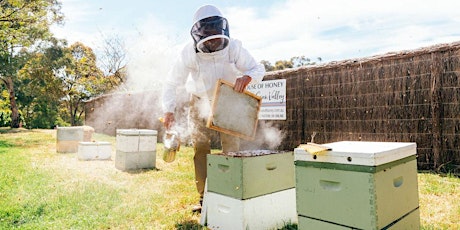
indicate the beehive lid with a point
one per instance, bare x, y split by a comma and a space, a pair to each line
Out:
94, 143
359, 152
250, 153
147, 132
70, 128
128, 132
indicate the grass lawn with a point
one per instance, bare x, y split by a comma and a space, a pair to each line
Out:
41, 189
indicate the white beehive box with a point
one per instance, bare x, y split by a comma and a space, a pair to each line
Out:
136, 149
136, 140
359, 185
271, 211
67, 139
94, 150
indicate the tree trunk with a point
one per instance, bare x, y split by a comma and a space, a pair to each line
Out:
15, 121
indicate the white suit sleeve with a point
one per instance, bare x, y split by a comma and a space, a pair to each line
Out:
247, 64
176, 78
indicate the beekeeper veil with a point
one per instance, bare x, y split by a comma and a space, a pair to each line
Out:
210, 30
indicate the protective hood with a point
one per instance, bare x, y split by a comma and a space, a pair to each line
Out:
210, 30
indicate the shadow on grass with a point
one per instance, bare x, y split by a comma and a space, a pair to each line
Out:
189, 225
4, 130
193, 225
140, 171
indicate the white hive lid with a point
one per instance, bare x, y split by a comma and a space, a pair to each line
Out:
360, 152
94, 143
128, 132
147, 132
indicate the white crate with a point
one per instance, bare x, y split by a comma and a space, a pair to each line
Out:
94, 151
271, 211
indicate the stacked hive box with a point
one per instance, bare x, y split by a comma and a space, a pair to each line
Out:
94, 150
87, 133
358, 185
67, 139
250, 192
136, 149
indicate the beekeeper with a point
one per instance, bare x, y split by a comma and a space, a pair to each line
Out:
212, 55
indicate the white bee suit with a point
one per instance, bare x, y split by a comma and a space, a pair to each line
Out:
212, 55
199, 72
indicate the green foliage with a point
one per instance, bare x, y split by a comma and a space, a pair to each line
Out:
48, 80
60, 122
280, 65
54, 83
287, 64
39, 90
5, 111
81, 80
23, 23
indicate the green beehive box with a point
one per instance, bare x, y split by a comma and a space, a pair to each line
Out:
410, 221
360, 185
244, 177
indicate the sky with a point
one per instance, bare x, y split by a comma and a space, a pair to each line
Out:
332, 30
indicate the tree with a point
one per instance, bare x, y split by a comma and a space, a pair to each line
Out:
81, 80
280, 65
5, 110
297, 61
113, 61
301, 61
56, 80
39, 89
22, 23
268, 66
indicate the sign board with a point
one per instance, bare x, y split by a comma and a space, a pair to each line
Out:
273, 94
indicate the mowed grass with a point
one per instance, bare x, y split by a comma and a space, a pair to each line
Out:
41, 189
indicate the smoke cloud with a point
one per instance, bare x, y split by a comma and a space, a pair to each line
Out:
151, 53
268, 136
